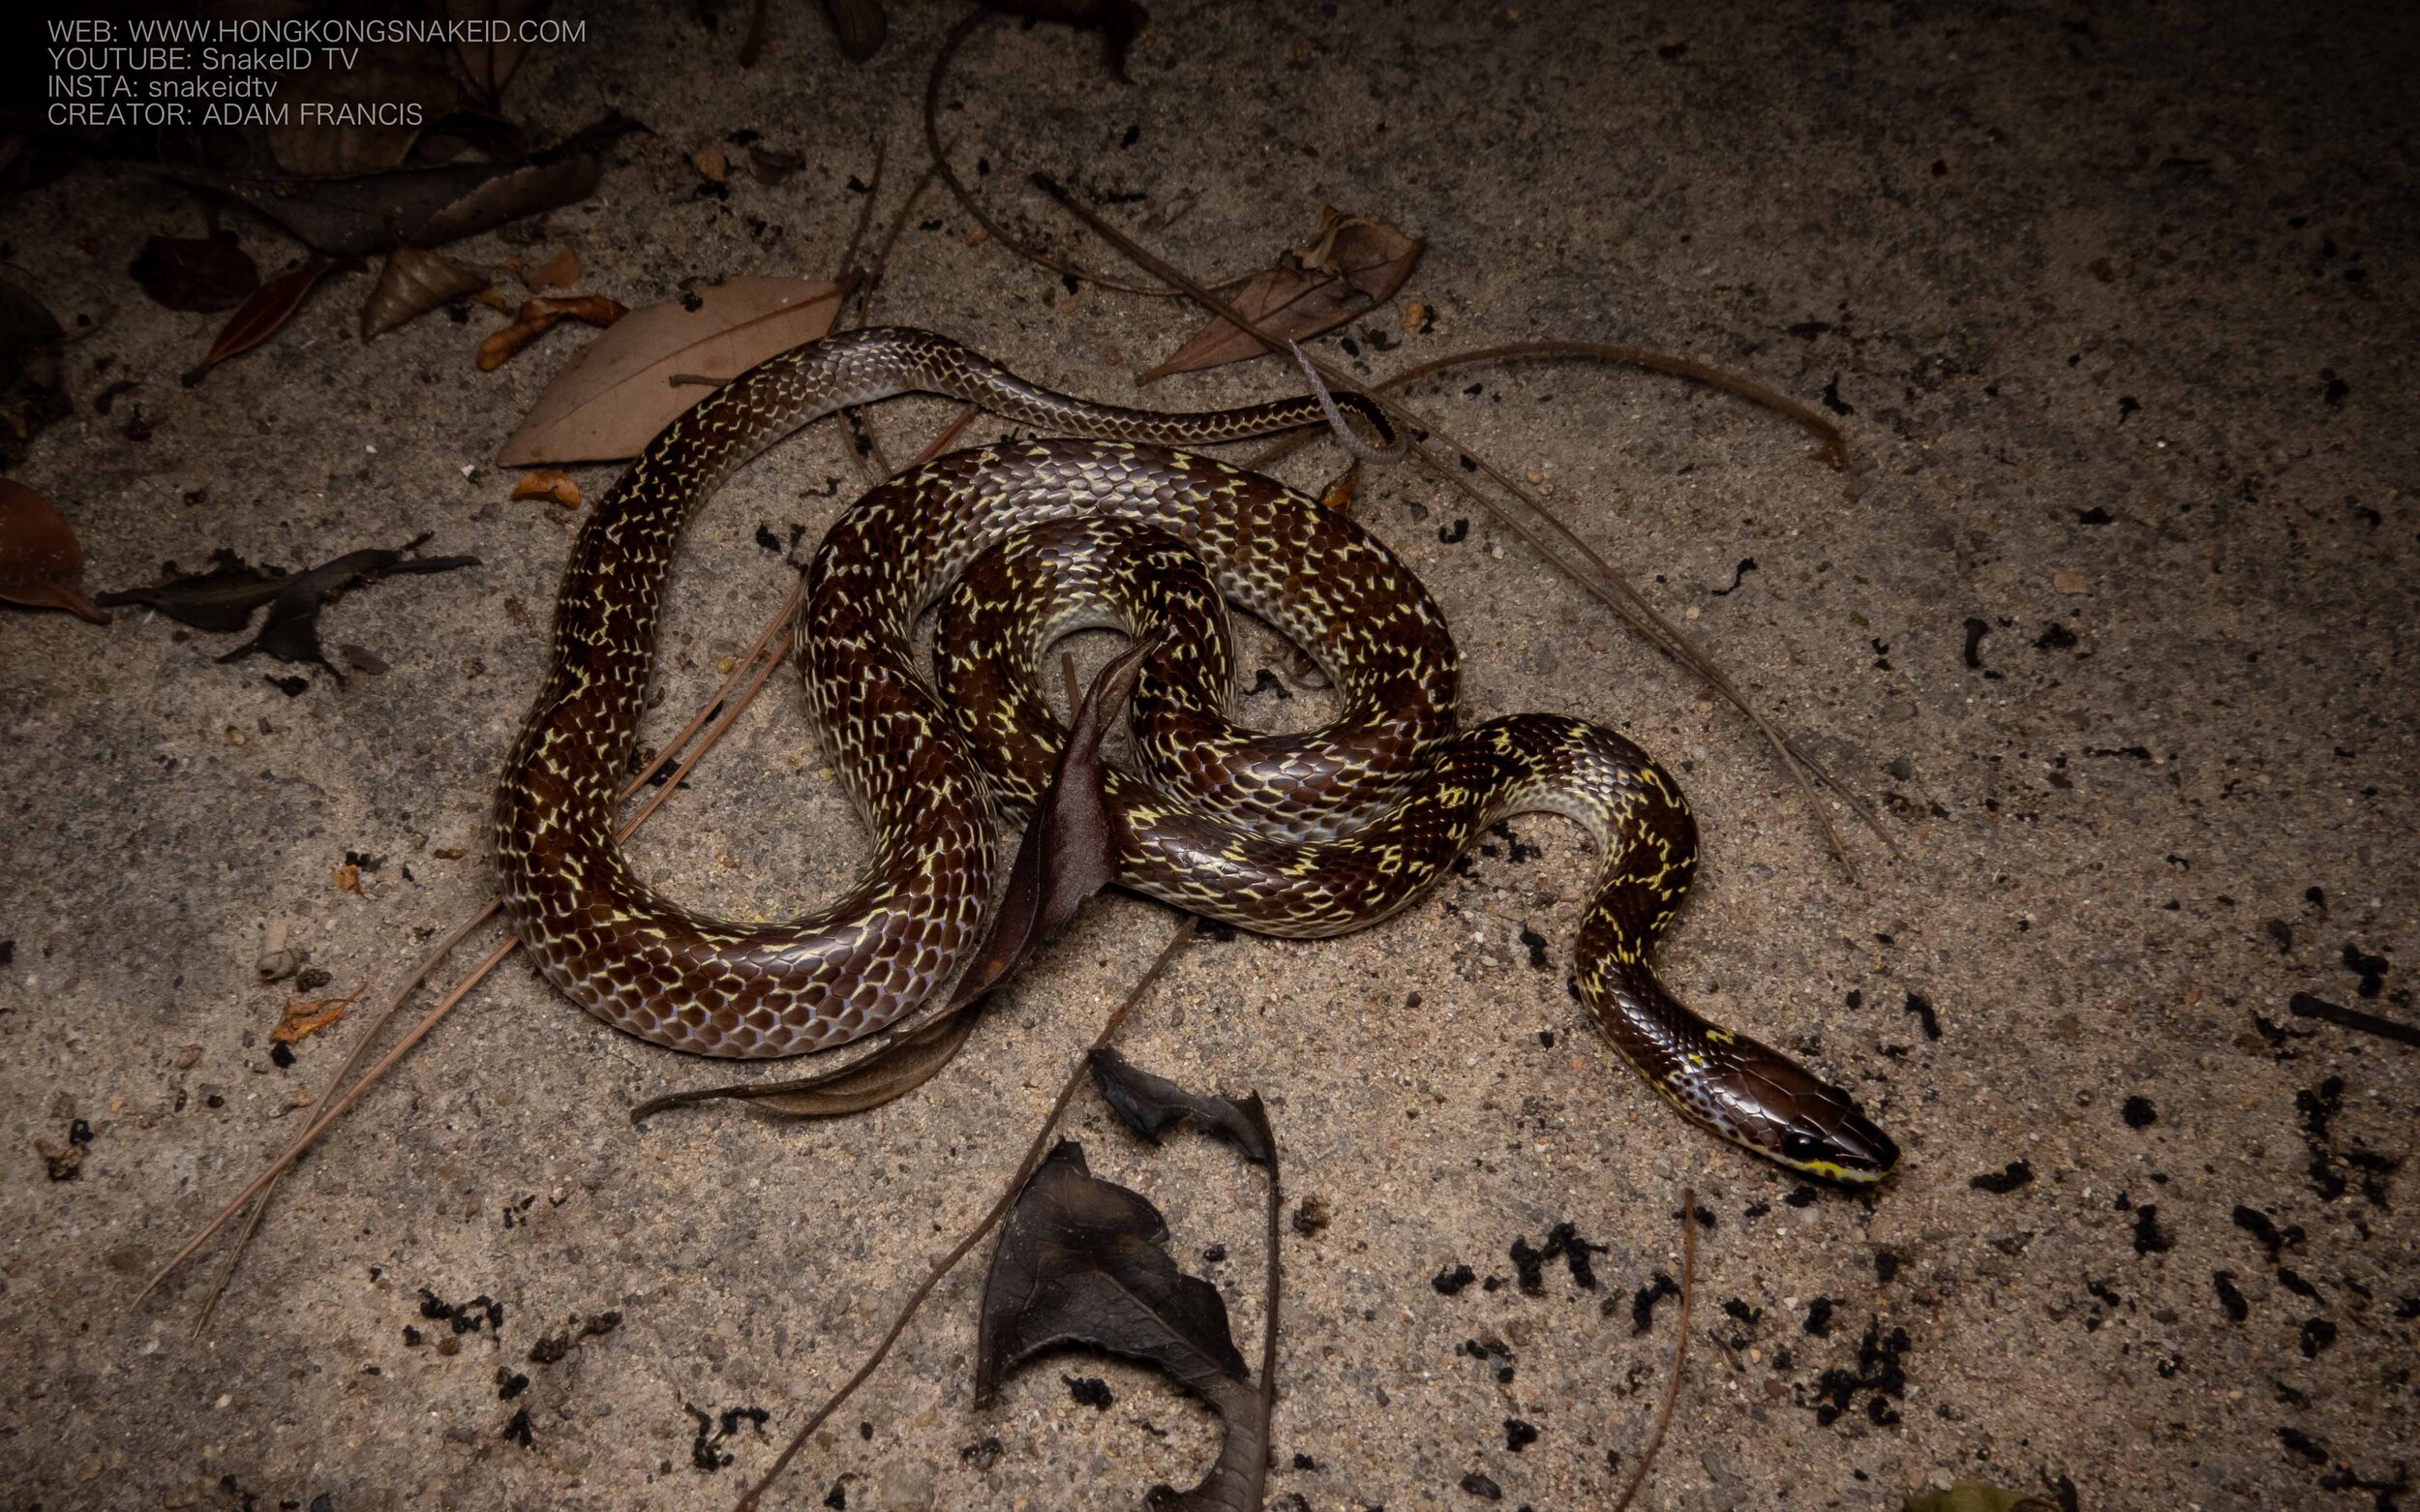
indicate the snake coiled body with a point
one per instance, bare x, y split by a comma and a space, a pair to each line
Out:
1306, 835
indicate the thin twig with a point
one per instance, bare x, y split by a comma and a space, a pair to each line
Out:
327, 1109
1680, 1347
1747, 388
999, 1209
993, 229
1609, 586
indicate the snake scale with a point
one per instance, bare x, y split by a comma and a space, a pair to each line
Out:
1311, 834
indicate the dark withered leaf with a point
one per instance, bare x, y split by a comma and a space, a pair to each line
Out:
1352, 266
266, 312
1067, 855
1083, 1261
31, 396
1070, 849
290, 631
1150, 1103
41, 563
1119, 22
220, 600
418, 206
202, 274
859, 26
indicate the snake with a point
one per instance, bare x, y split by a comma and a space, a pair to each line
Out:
1106, 518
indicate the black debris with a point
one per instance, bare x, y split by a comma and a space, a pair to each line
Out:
2000, 1183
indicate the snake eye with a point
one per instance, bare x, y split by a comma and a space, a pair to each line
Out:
1796, 1147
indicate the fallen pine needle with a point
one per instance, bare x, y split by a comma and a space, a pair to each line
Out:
1680, 1347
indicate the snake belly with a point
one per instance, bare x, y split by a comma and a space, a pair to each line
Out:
1308, 835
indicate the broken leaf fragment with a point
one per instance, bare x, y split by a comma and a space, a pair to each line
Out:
290, 631
41, 563
413, 284
537, 316
557, 486
1148, 1105
609, 400
1352, 266
1084, 1261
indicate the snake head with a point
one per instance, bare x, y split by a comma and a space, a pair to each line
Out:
1787, 1114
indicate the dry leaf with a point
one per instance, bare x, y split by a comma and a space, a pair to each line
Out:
537, 316
303, 1019
860, 25
290, 630
418, 206
347, 878
491, 63
201, 274
614, 397
364, 117
42, 564
713, 164
220, 600
1355, 265
556, 486
413, 284
560, 271
264, 313
772, 168
30, 394
1085, 1261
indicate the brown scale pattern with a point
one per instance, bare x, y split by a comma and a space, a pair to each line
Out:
1304, 835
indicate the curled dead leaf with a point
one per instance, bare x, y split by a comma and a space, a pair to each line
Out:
539, 315
557, 486
613, 398
303, 1019
41, 563
1354, 266
265, 312
347, 878
413, 284
711, 164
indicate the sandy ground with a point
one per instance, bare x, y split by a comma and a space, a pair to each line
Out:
2107, 617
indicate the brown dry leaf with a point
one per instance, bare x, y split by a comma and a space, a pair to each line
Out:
614, 397
413, 284
490, 64
364, 117
265, 312
713, 164
537, 316
560, 271
303, 1019
42, 564
1352, 266
347, 878
556, 486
